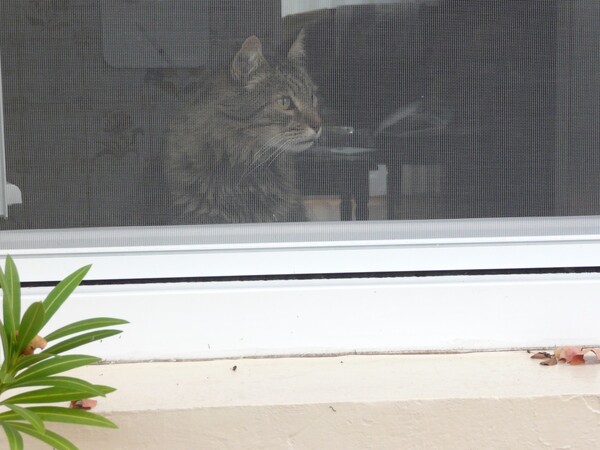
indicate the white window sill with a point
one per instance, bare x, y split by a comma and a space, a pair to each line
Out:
194, 321
478, 400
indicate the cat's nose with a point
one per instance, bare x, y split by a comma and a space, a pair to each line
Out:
319, 132
314, 121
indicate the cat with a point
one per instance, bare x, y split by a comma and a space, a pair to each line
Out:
229, 159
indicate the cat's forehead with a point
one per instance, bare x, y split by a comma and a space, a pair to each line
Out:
295, 79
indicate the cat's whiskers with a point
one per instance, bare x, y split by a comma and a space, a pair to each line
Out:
258, 160
270, 143
273, 157
277, 153
279, 141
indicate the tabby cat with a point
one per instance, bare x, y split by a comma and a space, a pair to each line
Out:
229, 157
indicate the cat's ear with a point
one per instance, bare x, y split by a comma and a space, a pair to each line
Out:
249, 65
297, 52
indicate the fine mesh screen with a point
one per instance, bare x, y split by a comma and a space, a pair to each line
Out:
123, 113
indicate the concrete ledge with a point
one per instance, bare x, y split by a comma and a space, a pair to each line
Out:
464, 401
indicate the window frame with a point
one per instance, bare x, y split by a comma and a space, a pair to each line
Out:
304, 249
194, 321
370, 250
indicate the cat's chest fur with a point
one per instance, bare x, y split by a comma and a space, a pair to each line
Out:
210, 186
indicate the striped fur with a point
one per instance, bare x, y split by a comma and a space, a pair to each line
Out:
228, 155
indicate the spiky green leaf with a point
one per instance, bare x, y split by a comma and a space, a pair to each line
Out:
11, 322
61, 292
27, 415
15, 440
105, 390
46, 395
3, 337
78, 341
4, 378
32, 323
12, 278
68, 415
75, 384
24, 361
84, 325
55, 365
56, 441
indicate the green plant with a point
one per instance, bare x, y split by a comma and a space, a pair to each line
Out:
38, 373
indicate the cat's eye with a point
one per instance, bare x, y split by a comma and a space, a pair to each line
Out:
285, 103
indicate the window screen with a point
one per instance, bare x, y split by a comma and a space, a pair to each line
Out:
135, 113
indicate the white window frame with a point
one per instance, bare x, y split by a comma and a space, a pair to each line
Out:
370, 312
188, 321
303, 249
367, 303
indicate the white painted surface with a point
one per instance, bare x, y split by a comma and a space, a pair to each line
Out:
13, 195
216, 320
295, 6
470, 401
305, 248
343, 379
